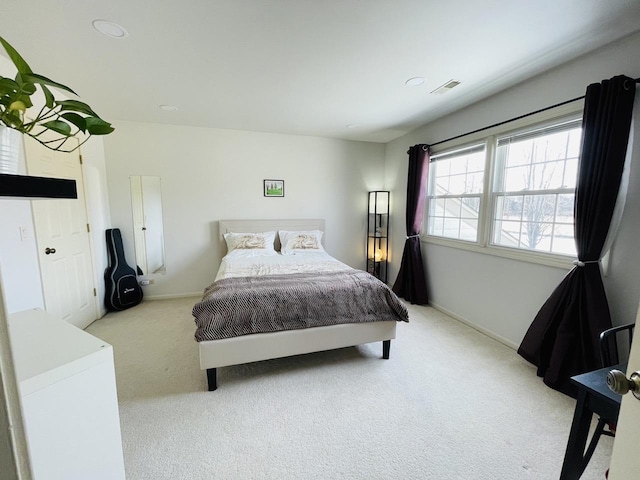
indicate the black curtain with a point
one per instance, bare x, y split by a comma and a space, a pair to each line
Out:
411, 283
563, 339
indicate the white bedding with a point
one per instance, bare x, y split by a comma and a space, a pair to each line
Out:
246, 264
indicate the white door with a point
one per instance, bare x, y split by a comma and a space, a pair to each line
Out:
624, 459
62, 238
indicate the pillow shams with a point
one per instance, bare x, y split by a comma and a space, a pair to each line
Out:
293, 242
257, 242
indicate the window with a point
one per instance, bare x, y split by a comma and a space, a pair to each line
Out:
534, 189
9, 150
511, 190
455, 193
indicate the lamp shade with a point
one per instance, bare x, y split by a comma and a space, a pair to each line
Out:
379, 201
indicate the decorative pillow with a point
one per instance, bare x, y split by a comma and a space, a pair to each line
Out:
300, 242
250, 241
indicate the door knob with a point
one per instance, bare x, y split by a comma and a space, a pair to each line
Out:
619, 383
48, 250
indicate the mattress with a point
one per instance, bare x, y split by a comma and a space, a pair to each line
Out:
269, 293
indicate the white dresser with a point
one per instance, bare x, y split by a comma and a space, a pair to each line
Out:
67, 384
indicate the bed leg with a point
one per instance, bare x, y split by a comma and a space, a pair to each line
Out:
212, 379
386, 346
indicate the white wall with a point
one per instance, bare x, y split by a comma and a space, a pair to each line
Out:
18, 254
212, 174
487, 291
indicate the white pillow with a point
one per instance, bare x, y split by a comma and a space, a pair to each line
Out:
257, 242
300, 241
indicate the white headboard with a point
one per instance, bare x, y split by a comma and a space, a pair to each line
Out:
256, 226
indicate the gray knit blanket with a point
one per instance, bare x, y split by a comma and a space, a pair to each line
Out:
240, 306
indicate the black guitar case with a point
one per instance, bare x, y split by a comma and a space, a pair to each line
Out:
122, 289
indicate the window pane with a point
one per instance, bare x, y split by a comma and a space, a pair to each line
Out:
516, 179
537, 235
563, 241
575, 142
452, 207
457, 184
518, 153
469, 230
451, 228
435, 226
570, 173
442, 185
470, 207
509, 207
546, 176
476, 163
474, 182
507, 234
564, 212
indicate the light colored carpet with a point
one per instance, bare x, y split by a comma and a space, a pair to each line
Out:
451, 403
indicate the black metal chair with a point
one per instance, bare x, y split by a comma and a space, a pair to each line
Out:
612, 341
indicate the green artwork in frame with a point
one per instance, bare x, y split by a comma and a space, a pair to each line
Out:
273, 188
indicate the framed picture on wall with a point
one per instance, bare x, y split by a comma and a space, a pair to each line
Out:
273, 188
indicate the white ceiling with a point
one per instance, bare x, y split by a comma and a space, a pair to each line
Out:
307, 67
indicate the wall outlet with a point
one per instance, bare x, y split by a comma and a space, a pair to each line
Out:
147, 281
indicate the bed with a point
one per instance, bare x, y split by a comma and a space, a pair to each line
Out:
240, 280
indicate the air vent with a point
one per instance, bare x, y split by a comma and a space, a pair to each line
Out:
446, 87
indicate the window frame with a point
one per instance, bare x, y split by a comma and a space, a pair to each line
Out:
560, 114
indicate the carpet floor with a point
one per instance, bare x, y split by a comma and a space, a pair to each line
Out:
450, 403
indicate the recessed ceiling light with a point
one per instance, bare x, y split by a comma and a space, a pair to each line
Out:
110, 29
415, 81
168, 108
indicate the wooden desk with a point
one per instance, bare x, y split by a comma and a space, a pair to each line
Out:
594, 397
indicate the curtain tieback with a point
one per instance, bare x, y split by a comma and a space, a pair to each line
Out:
580, 263
413, 236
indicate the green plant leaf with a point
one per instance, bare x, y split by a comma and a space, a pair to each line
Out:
42, 80
25, 85
6, 84
78, 120
26, 99
97, 126
58, 126
15, 57
12, 120
48, 97
76, 106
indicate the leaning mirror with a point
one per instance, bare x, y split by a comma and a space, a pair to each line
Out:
146, 205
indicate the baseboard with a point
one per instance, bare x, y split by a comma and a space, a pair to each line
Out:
475, 326
172, 295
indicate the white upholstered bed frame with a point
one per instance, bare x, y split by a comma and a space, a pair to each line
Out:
264, 346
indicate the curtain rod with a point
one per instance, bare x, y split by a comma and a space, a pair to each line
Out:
637, 80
